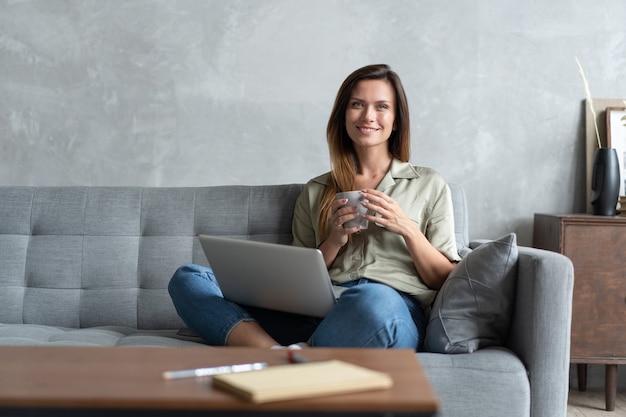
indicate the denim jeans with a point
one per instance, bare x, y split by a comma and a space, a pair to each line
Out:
368, 314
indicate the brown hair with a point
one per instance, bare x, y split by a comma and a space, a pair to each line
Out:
343, 158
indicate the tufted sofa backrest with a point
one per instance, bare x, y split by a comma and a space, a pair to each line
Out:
93, 256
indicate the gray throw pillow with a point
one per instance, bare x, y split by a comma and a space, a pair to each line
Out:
474, 306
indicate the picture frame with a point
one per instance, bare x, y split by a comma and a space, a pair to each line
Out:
591, 142
616, 138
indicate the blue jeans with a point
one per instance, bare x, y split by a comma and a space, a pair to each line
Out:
368, 314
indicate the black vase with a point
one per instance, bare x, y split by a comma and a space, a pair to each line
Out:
605, 182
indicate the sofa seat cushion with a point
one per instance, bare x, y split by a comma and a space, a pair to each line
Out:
489, 382
33, 334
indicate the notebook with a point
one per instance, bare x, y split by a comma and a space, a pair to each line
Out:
313, 379
268, 275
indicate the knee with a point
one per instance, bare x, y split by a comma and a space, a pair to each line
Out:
368, 315
181, 274
185, 277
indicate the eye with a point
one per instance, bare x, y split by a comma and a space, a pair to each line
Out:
356, 104
383, 106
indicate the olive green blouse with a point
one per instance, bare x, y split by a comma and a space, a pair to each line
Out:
375, 252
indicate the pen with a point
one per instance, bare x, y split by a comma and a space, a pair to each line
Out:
295, 357
215, 370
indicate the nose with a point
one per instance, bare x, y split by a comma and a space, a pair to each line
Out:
369, 113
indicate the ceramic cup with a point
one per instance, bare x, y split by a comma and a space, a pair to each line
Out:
354, 199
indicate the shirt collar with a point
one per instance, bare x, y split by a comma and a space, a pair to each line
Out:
398, 170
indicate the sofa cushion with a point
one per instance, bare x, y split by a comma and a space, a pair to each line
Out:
34, 334
489, 383
473, 308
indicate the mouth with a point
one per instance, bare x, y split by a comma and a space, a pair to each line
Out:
367, 130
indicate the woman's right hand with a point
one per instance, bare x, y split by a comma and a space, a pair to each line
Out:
338, 235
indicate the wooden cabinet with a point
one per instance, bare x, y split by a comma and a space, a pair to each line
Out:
597, 247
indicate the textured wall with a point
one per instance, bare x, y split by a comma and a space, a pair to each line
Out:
205, 92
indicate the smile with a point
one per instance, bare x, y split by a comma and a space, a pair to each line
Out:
367, 129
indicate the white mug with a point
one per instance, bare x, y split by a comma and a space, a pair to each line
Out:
354, 199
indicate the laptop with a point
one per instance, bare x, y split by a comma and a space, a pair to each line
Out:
272, 276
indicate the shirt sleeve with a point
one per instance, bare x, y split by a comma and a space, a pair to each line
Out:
304, 225
440, 230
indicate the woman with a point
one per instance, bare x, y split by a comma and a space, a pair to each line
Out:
391, 269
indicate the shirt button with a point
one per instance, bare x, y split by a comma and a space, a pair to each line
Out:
353, 275
357, 257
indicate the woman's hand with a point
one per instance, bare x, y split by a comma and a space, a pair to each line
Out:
432, 266
338, 235
390, 215
342, 214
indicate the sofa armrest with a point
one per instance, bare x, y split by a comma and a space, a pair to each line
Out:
541, 325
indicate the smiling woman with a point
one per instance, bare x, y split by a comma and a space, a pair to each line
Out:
342, 150
370, 116
390, 271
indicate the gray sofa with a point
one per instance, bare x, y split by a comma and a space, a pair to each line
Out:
90, 266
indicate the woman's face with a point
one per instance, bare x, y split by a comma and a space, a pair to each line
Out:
371, 113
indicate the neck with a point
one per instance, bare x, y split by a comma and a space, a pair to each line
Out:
371, 171
374, 165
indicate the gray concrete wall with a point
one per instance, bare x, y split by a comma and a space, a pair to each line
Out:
208, 92
204, 92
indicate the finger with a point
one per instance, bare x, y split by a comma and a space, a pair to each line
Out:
375, 193
378, 199
352, 230
375, 207
341, 220
337, 204
346, 211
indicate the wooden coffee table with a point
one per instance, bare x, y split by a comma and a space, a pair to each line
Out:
99, 381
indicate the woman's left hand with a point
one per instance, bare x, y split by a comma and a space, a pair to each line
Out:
389, 214
432, 266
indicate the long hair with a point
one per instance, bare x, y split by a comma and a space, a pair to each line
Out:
343, 157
